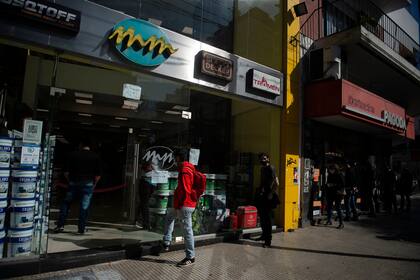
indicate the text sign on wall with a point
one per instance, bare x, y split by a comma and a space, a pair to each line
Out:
43, 11
216, 66
263, 84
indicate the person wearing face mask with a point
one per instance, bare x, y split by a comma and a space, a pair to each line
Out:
266, 197
335, 191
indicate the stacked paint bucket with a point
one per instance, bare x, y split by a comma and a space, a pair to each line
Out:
22, 205
5, 159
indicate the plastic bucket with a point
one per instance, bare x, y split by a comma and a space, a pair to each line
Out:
2, 235
4, 182
19, 242
3, 207
220, 183
24, 183
210, 180
22, 213
17, 152
158, 204
5, 152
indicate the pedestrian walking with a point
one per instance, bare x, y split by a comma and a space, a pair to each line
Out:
368, 185
335, 192
266, 197
349, 197
406, 184
146, 188
389, 187
83, 173
185, 201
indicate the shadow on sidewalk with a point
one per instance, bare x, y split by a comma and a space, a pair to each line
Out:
251, 243
145, 259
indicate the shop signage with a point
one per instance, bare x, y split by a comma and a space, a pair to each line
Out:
160, 156
394, 120
141, 42
216, 66
43, 11
257, 80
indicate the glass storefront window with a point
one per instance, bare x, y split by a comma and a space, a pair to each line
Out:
129, 7
134, 137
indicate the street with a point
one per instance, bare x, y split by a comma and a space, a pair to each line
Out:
385, 247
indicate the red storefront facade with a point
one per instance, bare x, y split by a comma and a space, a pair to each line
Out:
342, 103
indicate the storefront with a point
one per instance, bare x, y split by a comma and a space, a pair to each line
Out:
346, 124
135, 92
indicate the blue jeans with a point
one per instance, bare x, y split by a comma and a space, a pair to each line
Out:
185, 214
84, 190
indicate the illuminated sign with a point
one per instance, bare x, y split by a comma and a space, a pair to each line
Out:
160, 156
43, 11
141, 42
262, 83
215, 66
394, 120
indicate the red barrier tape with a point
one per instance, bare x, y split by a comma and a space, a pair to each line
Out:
96, 190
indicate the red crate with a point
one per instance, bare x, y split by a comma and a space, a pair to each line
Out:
247, 216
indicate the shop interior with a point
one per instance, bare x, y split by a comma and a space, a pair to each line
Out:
229, 132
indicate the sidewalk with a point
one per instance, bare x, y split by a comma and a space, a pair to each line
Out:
386, 247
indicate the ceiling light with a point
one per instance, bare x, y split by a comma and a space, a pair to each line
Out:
145, 129
156, 122
142, 135
83, 95
86, 123
170, 112
82, 101
187, 30
155, 21
121, 118
131, 105
84, 115
42, 110
180, 107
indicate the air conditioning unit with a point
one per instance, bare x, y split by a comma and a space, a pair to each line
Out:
325, 63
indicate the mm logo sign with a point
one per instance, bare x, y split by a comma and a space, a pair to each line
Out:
141, 42
161, 156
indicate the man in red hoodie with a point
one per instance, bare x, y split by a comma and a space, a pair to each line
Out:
185, 200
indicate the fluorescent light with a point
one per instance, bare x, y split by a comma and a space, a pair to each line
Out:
142, 135
84, 115
156, 122
131, 105
114, 126
86, 123
42, 110
83, 95
170, 112
187, 30
155, 21
186, 115
82, 101
180, 107
121, 118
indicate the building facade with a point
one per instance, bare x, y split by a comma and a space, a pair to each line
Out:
137, 80
360, 87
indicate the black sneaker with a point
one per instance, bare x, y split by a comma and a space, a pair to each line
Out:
58, 229
165, 247
186, 262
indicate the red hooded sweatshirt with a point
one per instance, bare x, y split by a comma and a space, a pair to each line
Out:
185, 195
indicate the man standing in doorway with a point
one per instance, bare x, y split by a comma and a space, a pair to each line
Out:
266, 197
185, 200
83, 173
